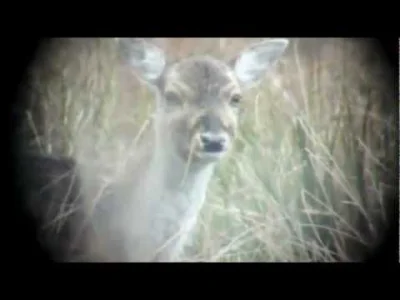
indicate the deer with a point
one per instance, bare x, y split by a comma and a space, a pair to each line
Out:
196, 117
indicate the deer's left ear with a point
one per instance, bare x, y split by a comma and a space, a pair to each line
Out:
251, 64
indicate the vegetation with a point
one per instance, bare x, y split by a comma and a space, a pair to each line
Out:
310, 170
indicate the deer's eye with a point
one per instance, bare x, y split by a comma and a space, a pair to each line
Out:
172, 98
235, 99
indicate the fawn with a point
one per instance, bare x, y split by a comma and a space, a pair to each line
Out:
195, 124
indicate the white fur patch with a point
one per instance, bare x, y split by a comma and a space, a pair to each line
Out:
257, 59
148, 59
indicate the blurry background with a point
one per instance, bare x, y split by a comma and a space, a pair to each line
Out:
311, 167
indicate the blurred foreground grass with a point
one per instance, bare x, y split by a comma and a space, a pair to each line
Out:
310, 169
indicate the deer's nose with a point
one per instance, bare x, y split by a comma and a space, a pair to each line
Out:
213, 142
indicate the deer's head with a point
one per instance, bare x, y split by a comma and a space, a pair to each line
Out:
199, 97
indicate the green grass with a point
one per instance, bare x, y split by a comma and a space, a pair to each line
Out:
310, 167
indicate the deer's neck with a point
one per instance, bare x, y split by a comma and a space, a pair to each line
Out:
175, 183
165, 205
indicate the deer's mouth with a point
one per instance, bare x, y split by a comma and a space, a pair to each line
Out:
212, 152
213, 144
213, 147
209, 147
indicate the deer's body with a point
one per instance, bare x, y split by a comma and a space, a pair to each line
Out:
150, 217
145, 215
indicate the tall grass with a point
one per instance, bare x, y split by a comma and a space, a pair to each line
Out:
307, 178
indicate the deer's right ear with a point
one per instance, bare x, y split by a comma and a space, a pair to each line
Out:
147, 60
